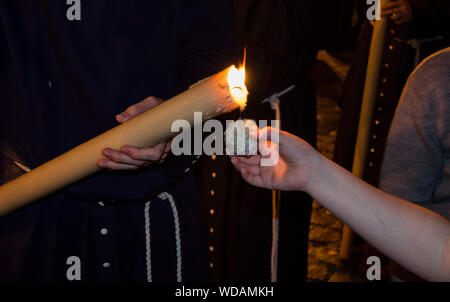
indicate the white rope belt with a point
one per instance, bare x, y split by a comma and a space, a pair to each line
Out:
163, 196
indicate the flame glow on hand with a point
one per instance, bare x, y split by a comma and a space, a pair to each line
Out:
236, 82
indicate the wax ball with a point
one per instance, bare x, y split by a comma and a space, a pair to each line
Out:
238, 140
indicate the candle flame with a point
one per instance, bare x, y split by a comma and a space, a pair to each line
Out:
236, 82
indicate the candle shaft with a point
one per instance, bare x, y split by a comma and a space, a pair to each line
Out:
211, 97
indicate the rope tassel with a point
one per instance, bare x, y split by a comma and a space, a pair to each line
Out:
169, 197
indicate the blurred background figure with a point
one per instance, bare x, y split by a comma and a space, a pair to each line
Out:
420, 126
415, 30
281, 39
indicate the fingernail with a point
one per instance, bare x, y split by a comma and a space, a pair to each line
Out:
123, 117
106, 152
125, 149
102, 164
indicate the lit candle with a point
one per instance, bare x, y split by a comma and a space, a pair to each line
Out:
213, 96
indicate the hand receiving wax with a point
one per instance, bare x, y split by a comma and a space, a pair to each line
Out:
413, 236
129, 157
293, 171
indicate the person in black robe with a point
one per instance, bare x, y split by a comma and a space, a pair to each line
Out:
64, 76
406, 44
410, 38
281, 40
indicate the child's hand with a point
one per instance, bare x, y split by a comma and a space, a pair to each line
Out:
294, 169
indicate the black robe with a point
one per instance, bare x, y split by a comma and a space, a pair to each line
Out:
431, 19
280, 37
61, 83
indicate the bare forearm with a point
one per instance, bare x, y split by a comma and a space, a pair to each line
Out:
413, 236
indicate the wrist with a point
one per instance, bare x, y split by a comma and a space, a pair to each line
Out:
316, 170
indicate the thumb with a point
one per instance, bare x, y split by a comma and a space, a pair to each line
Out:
287, 145
274, 135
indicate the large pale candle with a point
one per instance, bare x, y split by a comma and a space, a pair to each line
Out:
366, 114
213, 96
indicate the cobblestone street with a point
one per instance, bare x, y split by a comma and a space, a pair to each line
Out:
325, 231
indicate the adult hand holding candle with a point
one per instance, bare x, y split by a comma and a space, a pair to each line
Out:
213, 96
130, 157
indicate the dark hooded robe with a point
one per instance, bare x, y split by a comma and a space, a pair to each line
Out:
281, 42
62, 82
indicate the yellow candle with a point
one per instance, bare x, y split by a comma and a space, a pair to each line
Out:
365, 119
213, 96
